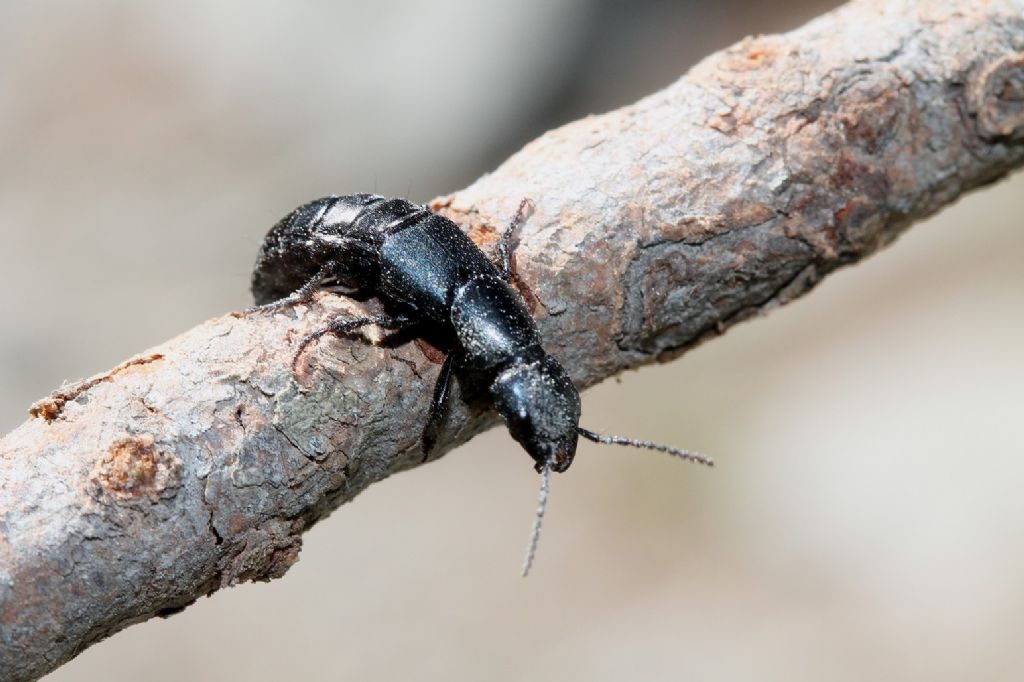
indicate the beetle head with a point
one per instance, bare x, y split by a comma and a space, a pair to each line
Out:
541, 408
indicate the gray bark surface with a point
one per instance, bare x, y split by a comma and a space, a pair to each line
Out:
199, 464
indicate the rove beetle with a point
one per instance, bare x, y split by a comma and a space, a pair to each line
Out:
425, 270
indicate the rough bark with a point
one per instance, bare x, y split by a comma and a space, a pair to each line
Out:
199, 464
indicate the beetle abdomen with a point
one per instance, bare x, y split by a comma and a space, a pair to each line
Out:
322, 231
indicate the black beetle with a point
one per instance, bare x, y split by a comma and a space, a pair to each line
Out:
426, 271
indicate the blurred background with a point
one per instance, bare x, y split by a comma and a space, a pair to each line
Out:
146, 147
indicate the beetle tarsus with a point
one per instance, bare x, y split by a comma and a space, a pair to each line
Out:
303, 294
347, 325
505, 246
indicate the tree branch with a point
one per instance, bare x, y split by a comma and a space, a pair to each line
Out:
200, 463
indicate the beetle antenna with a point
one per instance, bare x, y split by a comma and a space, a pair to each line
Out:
542, 503
649, 445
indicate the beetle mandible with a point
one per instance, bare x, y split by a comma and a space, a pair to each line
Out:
425, 270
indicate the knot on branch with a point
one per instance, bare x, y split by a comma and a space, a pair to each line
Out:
133, 468
998, 98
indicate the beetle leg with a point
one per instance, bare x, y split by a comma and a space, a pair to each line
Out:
301, 295
505, 247
435, 417
347, 325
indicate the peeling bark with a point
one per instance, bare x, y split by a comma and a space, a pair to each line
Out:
199, 464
